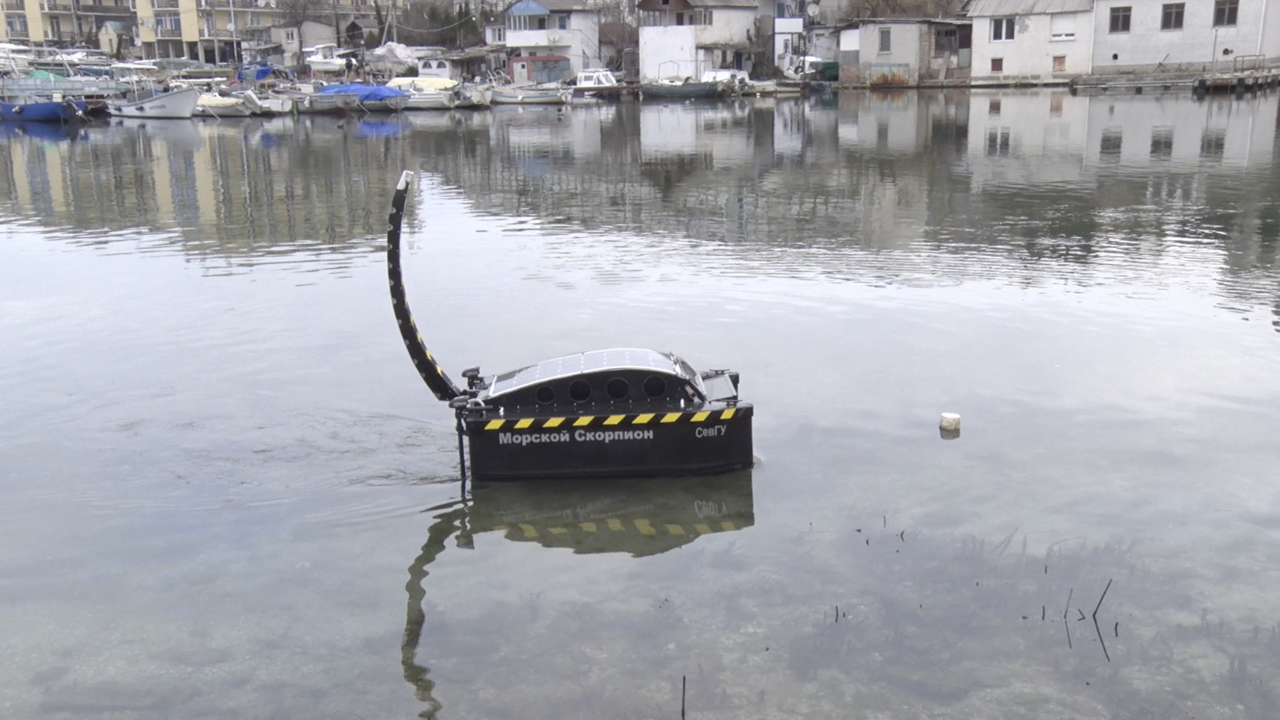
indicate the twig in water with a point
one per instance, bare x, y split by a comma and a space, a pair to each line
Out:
1104, 642
683, 681
1104, 597
1067, 612
1081, 615
1117, 628
1067, 625
1041, 613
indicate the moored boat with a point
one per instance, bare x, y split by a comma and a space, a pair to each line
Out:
370, 98
222, 106
548, 94
59, 111
599, 83
682, 89
427, 93
604, 413
177, 104
306, 102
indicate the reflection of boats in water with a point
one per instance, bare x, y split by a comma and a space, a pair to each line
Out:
179, 134
639, 517
43, 130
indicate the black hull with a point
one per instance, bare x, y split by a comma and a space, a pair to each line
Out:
692, 442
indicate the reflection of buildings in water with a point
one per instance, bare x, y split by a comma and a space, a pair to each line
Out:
1057, 137
241, 189
897, 122
641, 517
713, 130
1218, 131
767, 171
1044, 130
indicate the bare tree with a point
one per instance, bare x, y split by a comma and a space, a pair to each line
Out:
296, 12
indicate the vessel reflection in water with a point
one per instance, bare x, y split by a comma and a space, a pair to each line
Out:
641, 517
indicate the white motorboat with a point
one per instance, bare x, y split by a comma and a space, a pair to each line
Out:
426, 93
180, 103
598, 83
328, 58
222, 106
268, 104
546, 94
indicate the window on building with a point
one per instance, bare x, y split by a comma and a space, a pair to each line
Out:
562, 22
1062, 26
679, 18
1055, 105
993, 108
17, 25
288, 36
997, 65
1059, 63
1120, 19
542, 22
1171, 17
702, 16
1002, 28
1224, 12
886, 36
945, 42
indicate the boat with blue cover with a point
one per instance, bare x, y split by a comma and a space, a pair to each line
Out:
57, 111
621, 412
369, 98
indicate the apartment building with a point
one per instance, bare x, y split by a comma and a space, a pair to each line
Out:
205, 30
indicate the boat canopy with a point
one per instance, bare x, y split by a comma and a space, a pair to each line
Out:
594, 361
367, 93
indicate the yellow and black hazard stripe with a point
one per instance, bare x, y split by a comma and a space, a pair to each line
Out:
578, 421
615, 525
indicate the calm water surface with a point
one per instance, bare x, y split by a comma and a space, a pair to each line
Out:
227, 494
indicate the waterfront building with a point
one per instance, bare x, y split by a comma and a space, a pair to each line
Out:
685, 38
1189, 36
205, 30
553, 28
1053, 41
1031, 41
903, 52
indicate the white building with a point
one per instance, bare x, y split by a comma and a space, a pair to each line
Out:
904, 52
685, 38
1031, 41
1187, 36
542, 28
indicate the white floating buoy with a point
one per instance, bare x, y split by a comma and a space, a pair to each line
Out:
949, 426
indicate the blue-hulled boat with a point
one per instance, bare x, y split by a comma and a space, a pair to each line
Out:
48, 111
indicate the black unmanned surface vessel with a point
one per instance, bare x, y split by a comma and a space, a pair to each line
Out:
605, 413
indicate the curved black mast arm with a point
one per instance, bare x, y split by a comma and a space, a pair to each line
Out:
441, 386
